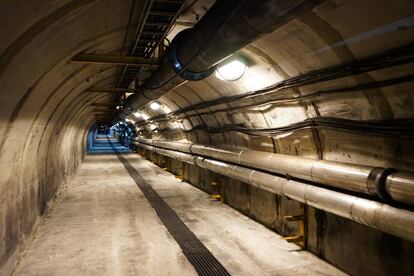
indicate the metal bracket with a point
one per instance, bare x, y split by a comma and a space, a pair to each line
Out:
302, 220
218, 194
295, 239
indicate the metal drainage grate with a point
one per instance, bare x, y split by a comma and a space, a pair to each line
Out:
197, 254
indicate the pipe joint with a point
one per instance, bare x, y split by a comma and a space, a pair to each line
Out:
376, 182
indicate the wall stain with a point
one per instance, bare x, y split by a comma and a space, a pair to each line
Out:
379, 104
321, 226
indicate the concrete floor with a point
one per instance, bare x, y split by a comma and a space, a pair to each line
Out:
103, 225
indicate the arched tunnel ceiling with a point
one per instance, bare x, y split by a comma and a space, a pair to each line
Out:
298, 47
43, 84
45, 113
322, 38
335, 33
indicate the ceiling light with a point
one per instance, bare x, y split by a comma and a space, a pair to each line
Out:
155, 105
153, 126
231, 71
137, 114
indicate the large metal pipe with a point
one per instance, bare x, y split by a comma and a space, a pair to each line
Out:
386, 183
228, 26
383, 217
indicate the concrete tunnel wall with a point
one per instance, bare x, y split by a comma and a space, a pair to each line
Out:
333, 34
308, 43
45, 116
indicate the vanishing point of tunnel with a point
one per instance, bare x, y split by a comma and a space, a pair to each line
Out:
206, 137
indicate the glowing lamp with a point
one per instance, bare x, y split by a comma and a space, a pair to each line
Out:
155, 105
231, 71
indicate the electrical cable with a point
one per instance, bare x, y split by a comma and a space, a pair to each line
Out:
280, 101
402, 127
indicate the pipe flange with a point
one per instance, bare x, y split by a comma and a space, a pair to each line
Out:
376, 183
373, 179
174, 60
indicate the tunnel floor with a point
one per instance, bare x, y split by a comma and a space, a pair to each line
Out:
103, 224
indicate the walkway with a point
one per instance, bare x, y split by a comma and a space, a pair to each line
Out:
104, 225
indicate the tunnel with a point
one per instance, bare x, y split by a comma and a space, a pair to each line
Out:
207, 137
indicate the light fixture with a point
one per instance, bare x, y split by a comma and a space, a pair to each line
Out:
137, 114
155, 105
128, 120
153, 127
231, 71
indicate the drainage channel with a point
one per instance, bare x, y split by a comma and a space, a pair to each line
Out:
197, 254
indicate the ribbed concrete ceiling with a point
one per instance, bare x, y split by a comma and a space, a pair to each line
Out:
335, 33
45, 114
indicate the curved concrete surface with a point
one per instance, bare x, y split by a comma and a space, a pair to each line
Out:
45, 113
104, 225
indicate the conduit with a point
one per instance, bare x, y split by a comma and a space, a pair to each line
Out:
383, 217
228, 26
402, 127
385, 183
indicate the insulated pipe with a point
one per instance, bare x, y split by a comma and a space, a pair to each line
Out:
399, 186
184, 157
228, 26
388, 184
385, 218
